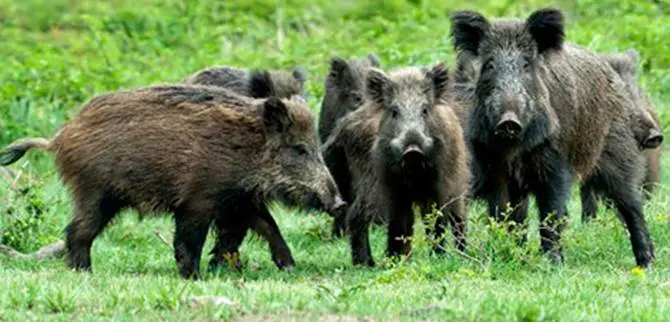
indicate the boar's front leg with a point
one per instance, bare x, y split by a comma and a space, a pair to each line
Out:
263, 223
192, 224
232, 226
358, 221
401, 222
552, 194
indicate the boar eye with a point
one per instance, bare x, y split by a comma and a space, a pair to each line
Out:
526, 65
488, 65
425, 111
299, 149
357, 99
394, 111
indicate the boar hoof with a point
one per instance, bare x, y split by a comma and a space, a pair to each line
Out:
285, 264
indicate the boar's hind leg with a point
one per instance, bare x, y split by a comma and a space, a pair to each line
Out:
91, 215
552, 196
192, 224
617, 179
263, 223
589, 202
230, 232
358, 222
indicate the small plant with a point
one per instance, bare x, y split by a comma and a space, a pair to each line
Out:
22, 227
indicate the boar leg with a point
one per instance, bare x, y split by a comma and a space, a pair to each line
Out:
552, 196
401, 222
457, 216
339, 225
336, 161
519, 202
192, 224
90, 218
617, 178
229, 237
437, 229
358, 221
589, 202
263, 223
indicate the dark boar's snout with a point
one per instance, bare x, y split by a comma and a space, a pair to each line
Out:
509, 126
653, 140
329, 198
412, 148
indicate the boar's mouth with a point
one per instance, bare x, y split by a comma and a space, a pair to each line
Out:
413, 158
305, 200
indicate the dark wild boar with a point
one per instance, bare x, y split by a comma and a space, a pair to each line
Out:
418, 157
183, 149
646, 127
254, 83
536, 125
344, 87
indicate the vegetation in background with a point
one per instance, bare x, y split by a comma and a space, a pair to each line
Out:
57, 54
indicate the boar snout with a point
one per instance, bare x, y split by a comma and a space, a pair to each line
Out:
509, 126
653, 140
411, 149
338, 205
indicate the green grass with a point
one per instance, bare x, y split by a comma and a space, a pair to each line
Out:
57, 54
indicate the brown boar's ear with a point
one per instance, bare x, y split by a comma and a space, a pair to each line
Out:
276, 116
467, 30
261, 84
378, 86
374, 60
547, 28
299, 74
439, 79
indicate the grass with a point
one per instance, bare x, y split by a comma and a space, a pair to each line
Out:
58, 54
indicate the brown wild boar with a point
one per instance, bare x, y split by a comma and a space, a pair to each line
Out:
253, 83
646, 127
536, 126
344, 87
417, 156
184, 149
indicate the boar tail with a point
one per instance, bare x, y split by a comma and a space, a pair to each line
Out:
16, 150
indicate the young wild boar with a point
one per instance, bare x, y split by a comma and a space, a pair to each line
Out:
536, 125
344, 93
646, 127
417, 157
183, 149
254, 83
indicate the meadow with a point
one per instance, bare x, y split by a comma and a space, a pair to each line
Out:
57, 54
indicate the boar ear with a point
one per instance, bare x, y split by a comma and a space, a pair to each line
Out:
275, 115
467, 30
546, 27
261, 84
633, 54
439, 78
299, 74
338, 67
374, 60
377, 85
623, 63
